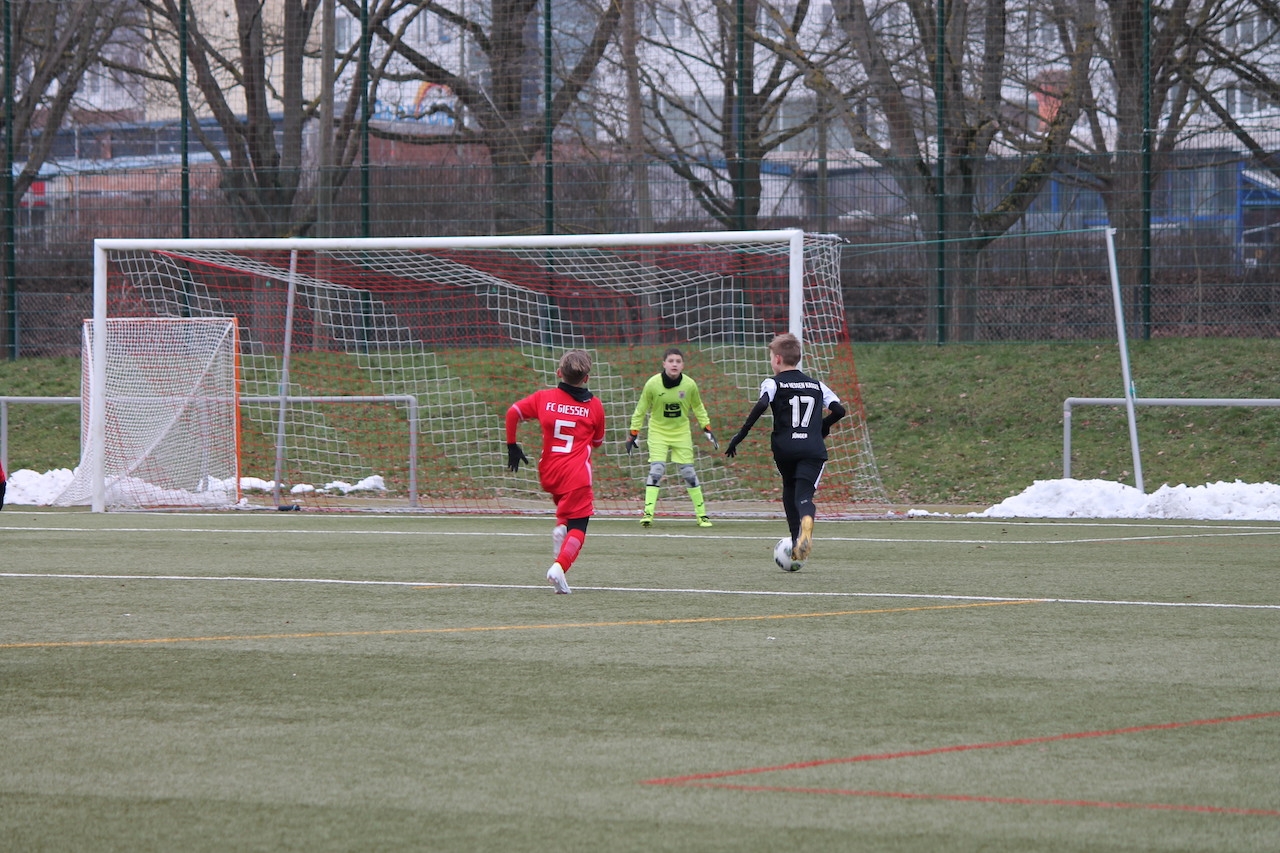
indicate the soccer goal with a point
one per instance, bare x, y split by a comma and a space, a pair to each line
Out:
159, 414
376, 373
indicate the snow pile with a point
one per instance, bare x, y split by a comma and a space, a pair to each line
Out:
28, 488
1043, 499
1105, 499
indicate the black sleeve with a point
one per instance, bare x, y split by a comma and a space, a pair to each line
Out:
761, 406
835, 413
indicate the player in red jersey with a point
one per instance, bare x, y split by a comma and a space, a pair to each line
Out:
572, 421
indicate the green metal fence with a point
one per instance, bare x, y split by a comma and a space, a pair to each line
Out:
1213, 267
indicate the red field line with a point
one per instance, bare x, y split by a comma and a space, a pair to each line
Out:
974, 798
709, 780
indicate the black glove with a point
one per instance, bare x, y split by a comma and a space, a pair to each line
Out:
837, 412
632, 442
711, 438
515, 456
732, 450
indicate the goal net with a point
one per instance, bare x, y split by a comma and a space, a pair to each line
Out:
376, 373
159, 414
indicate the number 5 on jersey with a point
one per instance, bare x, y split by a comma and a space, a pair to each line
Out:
561, 432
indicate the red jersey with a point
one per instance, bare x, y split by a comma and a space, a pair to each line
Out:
572, 421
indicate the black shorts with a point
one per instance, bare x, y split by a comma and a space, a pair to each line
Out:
807, 468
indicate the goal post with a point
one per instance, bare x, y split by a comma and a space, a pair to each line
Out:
159, 414
463, 327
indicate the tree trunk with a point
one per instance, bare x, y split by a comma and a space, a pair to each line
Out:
517, 190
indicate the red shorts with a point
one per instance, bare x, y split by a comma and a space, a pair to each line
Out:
576, 503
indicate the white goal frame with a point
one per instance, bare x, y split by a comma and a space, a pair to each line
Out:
1131, 400
794, 241
794, 237
92, 473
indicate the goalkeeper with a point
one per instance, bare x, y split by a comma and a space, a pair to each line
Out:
669, 398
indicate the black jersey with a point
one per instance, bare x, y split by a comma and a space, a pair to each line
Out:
797, 402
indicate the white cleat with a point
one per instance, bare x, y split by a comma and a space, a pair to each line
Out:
555, 575
557, 538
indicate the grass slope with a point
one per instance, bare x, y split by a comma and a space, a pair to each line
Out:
956, 425
974, 424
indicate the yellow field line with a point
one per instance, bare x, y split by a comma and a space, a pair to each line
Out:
389, 632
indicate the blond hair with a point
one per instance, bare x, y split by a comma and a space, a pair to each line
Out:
786, 347
575, 366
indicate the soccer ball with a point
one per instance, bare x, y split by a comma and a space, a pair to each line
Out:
782, 556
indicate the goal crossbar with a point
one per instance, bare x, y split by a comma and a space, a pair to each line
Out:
544, 241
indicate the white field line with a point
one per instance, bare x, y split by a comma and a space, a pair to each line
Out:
250, 518
651, 590
1197, 532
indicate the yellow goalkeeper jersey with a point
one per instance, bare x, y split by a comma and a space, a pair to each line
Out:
670, 409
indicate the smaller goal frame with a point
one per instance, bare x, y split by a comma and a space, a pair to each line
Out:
1194, 402
94, 422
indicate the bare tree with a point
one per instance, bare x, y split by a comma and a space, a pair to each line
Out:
633, 120
499, 93
1117, 140
245, 70
716, 91
956, 90
54, 46
1237, 78
251, 76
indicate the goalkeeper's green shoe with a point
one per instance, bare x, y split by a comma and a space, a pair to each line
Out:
703, 521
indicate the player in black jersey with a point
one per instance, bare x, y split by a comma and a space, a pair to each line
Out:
799, 430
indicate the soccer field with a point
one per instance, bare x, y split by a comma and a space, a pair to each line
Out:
290, 681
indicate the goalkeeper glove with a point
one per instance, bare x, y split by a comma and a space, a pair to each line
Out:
711, 437
632, 441
515, 456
